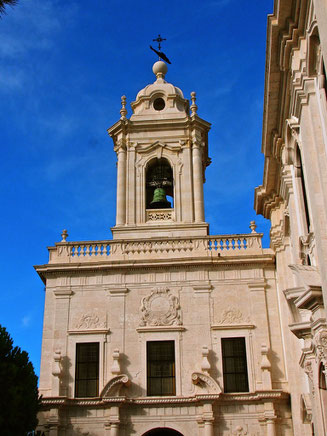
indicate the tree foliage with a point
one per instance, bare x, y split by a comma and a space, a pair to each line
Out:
19, 399
4, 3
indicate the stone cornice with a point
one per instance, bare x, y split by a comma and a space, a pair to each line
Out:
232, 327
258, 396
161, 328
89, 332
262, 261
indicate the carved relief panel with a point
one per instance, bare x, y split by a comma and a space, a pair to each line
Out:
160, 308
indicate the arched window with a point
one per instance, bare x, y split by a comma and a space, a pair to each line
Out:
162, 432
159, 185
316, 66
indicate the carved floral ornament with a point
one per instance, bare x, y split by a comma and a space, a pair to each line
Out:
160, 308
90, 321
232, 315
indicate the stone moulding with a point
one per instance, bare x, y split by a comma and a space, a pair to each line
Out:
89, 332
153, 329
232, 326
274, 395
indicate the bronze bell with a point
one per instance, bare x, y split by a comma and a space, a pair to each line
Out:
159, 200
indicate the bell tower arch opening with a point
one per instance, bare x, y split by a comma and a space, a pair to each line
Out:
159, 184
162, 432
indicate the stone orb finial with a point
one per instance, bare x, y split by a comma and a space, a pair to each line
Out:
160, 69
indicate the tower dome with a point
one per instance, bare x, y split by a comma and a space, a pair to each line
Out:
160, 98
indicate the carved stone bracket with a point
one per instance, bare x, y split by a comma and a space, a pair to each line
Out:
113, 387
306, 408
206, 383
160, 308
307, 246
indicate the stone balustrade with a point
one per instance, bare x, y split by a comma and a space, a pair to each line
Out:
162, 248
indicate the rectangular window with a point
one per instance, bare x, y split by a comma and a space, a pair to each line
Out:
87, 370
161, 368
234, 365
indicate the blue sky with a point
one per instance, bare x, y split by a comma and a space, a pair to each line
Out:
63, 68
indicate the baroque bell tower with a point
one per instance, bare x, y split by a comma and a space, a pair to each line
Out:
162, 153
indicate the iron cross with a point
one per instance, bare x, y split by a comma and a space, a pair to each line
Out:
159, 40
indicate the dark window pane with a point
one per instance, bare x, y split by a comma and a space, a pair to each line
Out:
161, 368
87, 370
234, 365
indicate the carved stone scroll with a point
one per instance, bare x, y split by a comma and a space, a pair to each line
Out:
113, 387
206, 383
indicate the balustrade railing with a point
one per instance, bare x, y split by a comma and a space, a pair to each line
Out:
111, 250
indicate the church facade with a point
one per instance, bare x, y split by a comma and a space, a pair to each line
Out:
294, 195
167, 330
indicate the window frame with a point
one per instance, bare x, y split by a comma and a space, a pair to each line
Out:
236, 332
245, 362
148, 366
161, 333
104, 348
78, 347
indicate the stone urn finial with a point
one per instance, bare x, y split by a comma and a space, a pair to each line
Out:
193, 107
253, 226
123, 110
64, 235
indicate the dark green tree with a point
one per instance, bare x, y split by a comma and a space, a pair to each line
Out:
19, 400
4, 3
